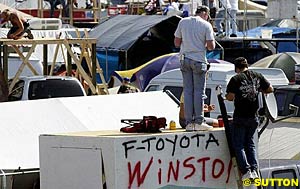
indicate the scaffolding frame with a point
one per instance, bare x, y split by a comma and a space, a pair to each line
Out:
96, 9
88, 50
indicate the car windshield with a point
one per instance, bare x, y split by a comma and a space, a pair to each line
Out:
54, 88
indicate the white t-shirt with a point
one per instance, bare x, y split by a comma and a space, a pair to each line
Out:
194, 32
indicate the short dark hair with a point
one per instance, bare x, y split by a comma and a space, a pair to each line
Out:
240, 63
202, 8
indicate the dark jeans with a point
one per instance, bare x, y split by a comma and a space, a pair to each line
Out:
244, 141
54, 3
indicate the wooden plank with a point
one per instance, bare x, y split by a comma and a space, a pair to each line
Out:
25, 62
81, 70
41, 41
26, 59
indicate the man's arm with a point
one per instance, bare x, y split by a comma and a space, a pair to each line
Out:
210, 45
16, 20
269, 89
177, 42
230, 96
265, 85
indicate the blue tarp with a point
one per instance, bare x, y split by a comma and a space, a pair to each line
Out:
281, 28
108, 62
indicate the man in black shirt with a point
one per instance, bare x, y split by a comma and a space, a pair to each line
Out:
243, 89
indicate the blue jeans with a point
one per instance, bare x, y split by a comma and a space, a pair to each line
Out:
233, 22
221, 17
194, 84
244, 141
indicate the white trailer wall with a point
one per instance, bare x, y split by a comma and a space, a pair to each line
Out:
22, 122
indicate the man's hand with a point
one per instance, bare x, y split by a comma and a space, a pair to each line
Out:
211, 107
11, 36
230, 96
208, 108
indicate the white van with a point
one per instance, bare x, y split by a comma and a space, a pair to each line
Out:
219, 74
41, 87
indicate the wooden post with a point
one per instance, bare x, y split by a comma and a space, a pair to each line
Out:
94, 61
71, 12
3, 77
96, 9
45, 59
69, 65
40, 9
5, 62
1, 50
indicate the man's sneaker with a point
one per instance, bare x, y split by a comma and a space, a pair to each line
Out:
189, 127
247, 176
254, 174
203, 127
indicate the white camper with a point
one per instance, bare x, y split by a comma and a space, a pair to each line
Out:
219, 74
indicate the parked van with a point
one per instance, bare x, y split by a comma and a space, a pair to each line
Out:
219, 74
285, 96
41, 87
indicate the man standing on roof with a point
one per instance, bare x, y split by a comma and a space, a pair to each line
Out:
223, 11
243, 89
194, 35
19, 25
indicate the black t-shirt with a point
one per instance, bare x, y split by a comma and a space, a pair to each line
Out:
246, 86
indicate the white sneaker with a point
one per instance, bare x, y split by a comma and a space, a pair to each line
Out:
189, 127
247, 176
254, 174
203, 127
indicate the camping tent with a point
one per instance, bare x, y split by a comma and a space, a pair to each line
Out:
141, 76
133, 39
285, 61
